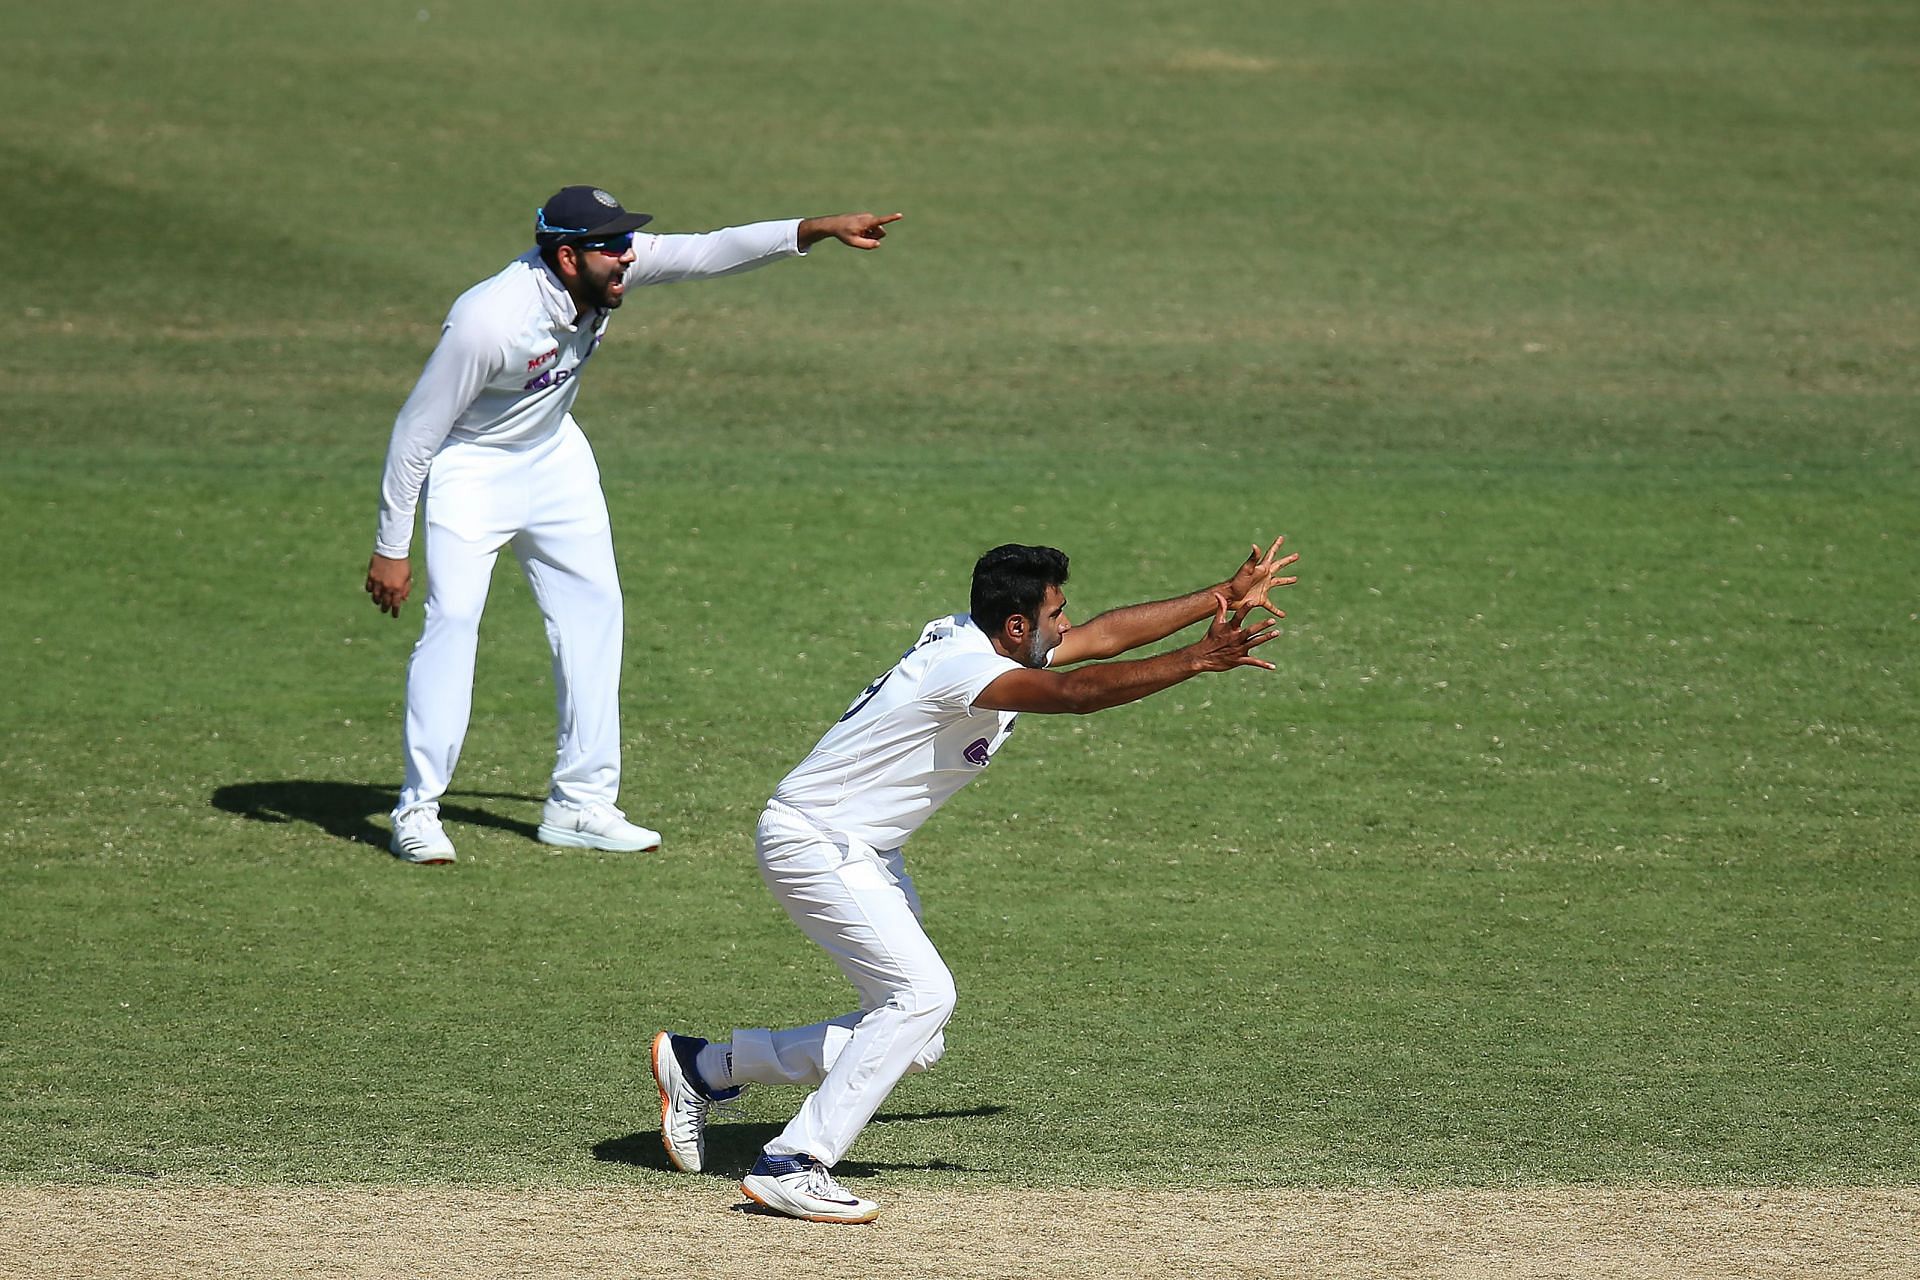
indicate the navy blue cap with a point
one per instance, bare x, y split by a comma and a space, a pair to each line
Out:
583, 213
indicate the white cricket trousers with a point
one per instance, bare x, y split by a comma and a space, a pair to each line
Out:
544, 501
860, 905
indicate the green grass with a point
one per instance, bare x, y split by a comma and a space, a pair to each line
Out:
1574, 350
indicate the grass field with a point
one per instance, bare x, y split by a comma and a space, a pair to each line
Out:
1573, 347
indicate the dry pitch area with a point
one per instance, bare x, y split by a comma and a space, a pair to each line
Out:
705, 1230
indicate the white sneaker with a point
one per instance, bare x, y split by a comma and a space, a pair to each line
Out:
419, 837
684, 1099
594, 826
802, 1187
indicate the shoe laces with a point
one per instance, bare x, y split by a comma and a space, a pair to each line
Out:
820, 1183
726, 1106
729, 1106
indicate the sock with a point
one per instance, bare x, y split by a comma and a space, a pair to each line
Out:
715, 1065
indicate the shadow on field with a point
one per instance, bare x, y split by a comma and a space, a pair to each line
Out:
732, 1148
345, 810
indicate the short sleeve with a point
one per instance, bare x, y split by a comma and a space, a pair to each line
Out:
954, 682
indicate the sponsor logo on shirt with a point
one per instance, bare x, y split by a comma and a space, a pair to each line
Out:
977, 752
551, 378
537, 361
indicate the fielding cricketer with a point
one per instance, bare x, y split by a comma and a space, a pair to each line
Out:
829, 844
489, 421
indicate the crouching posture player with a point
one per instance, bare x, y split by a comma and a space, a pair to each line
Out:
829, 844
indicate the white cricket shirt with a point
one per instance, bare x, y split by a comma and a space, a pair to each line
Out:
508, 362
909, 741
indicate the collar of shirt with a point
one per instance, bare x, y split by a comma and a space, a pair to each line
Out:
554, 296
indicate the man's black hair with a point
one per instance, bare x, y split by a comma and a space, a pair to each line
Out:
1014, 579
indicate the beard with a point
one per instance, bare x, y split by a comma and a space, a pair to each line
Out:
1036, 654
603, 291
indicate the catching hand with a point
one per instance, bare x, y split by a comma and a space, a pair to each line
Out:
1228, 643
1248, 587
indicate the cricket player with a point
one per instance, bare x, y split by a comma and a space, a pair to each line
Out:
489, 436
829, 844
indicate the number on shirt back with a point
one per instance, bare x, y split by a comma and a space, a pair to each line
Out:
866, 694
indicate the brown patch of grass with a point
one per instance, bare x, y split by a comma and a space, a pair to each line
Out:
707, 1229
1212, 61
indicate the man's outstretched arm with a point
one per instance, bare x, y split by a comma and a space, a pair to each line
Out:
1227, 644
858, 230
709, 255
1120, 630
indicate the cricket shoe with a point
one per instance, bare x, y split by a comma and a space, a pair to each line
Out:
418, 837
594, 826
685, 1099
802, 1187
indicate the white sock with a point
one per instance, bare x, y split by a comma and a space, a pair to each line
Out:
715, 1064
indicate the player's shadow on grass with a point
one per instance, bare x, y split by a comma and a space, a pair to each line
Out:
732, 1148
345, 810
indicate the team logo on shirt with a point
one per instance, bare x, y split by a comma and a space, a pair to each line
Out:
552, 377
976, 752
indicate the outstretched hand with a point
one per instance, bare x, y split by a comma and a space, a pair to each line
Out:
1229, 643
860, 230
1249, 585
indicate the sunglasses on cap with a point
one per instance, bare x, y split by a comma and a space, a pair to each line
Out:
613, 246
